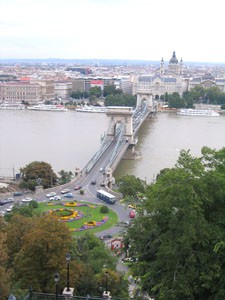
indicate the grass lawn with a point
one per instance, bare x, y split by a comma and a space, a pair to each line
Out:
90, 213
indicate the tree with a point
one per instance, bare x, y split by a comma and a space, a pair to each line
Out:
120, 100
175, 100
130, 186
36, 173
4, 274
95, 91
65, 176
41, 253
111, 90
180, 241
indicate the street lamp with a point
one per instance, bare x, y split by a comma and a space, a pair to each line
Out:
56, 279
68, 258
106, 281
100, 290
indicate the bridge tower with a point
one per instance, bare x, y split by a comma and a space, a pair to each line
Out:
144, 93
120, 115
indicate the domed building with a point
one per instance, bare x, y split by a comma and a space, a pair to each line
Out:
164, 80
174, 66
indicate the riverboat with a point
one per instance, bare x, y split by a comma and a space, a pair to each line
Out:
12, 106
198, 112
47, 107
92, 109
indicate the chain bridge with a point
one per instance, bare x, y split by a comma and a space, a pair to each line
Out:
120, 137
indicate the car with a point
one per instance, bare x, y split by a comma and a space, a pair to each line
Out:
65, 191
27, 200
9, 200
133, 206
105, 236
3, 202
52, 194
56, 198
78, 187
93, 181
15, 194
9, 209
101, 170
68, 195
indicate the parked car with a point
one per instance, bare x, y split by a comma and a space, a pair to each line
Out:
9, 209
106, 236
68, 195
27, 200
78, 187
65, 191
9, 200
56, 198
17, 194
52, 194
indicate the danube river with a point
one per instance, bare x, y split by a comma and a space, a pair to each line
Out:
68, 140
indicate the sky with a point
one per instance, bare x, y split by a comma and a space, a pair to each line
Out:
113, 29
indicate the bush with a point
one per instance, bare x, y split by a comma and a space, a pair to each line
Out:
104, 209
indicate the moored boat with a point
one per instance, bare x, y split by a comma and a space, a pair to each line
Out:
198, 112
92, 109
12, 106
47, 107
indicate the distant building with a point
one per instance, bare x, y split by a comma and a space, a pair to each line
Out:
63, 89
207, 81
16, 92
164, 80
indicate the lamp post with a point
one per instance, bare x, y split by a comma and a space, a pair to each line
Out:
68, 258
106, 281
56, 279
100, 290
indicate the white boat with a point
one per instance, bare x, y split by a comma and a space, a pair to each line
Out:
12, 106
47, 107
198, 112
92, 109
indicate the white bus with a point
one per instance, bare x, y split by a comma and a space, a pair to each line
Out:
105, 196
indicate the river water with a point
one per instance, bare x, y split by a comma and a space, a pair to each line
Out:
68, 140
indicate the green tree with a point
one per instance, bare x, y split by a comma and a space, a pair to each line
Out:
65, 176
4, 273
36, 173
120, 100
180, 240
111, 90
130, 186
95, 91
175, 101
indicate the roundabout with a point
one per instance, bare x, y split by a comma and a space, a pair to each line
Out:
80, 216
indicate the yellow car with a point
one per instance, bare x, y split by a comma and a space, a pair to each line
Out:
133, 206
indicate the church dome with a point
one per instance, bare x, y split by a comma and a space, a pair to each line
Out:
173, 60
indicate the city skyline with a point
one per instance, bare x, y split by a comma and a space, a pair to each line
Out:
112, 29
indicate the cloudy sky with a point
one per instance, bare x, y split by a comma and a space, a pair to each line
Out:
113, 29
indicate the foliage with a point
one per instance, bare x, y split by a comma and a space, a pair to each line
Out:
175, 101
130, 186
4, 274
180, 239
111, 90
120, 100
95, 91
65, 176
37, 251
36, 173
104, 209
198, 94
